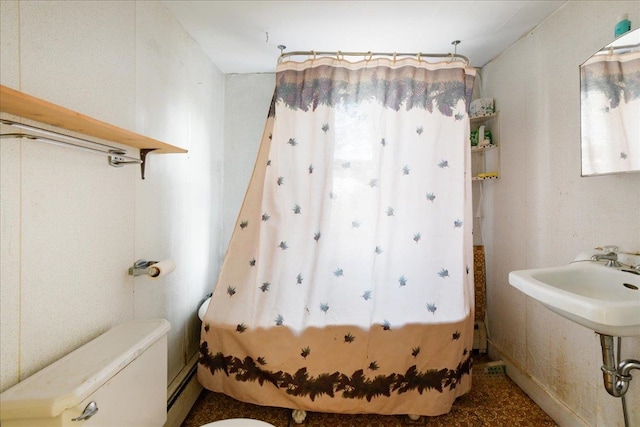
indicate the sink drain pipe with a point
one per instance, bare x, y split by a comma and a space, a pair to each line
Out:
616, 373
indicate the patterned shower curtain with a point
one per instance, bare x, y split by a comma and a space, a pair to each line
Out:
348, 285
609, 108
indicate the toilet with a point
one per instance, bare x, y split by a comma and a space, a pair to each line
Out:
118, 379
203, 308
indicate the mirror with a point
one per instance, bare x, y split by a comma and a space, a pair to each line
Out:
610, 108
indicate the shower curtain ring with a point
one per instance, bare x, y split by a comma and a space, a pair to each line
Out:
338, 55
419, 57
314, 54
394, 58
370, 56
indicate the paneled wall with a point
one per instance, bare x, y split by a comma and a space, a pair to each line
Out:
70, 224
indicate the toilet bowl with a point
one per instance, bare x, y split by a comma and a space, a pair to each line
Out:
203, 308
239, 422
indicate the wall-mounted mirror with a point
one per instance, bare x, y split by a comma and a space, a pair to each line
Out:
610, 108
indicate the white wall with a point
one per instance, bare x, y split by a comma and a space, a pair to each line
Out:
542, 213
70, 224
247, 101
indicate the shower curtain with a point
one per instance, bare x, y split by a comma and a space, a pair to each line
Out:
348, 285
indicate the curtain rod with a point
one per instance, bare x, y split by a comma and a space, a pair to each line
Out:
338, 54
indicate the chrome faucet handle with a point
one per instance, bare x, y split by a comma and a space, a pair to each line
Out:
610, 255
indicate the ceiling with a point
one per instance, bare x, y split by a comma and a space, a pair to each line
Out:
243, 36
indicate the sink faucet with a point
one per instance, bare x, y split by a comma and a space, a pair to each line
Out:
610, 255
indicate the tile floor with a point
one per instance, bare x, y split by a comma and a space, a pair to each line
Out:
494, 401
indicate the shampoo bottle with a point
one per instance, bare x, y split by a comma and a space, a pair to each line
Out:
623, 25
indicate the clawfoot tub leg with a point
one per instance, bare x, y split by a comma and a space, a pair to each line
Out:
413, 417
299, 416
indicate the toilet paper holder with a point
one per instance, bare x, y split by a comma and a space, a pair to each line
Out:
154, 269
141, 267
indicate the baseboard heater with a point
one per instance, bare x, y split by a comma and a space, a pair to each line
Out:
182, 393
181, 386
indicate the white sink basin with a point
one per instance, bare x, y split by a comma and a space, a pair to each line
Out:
600, 298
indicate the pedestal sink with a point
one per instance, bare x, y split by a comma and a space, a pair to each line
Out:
604, 299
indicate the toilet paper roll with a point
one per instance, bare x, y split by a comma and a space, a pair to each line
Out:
161, 268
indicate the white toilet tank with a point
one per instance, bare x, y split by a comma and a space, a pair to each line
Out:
124, 371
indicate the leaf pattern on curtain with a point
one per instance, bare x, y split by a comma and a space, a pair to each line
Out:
618, 81
347, 275
354, 386
394, 88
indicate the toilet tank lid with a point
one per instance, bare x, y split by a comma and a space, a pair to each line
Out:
71, 379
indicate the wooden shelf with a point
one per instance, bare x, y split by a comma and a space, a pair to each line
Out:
476, 149
479, 119
484, 178
486, 160
30, 107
